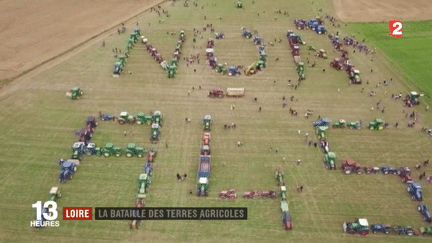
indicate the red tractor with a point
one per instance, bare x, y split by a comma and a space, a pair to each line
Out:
404, 173
206, 138
294, 42
151, 156
149, 47
269, 194
251, 194
350, 166
295, 51
216, 93
230, 194
337, 63
158, 57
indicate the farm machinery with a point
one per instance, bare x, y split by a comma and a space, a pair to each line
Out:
320, 30
412, 99
330, 160
205, 150
216, 93
219, 36
151, 155
91, 123
126, 118
109, 149
415, 190
300, 24
369, 170
321, 131
283, 194
404, 173
300, 70
202, 186
426, 231
251, 194
350, 166
75, 93
91, 149
68, 168
148, 168
376, 124
220, 68
235, 92
229, 194
106, 117
425, 213
78, 150
388, 170
354, 125
234, 71
324, 145
144, 181
355, 77
142, 118
337, 63
286, 221
247, 34
321, 53
133, 150
360, 226
206, 138
269, 194
405, 230
171, 71
258, 40
207, 122
54, 194
155, 133
204, 166
239, 4
157, 117
279, 176
322, 122
250, 70
381, 228
340, 124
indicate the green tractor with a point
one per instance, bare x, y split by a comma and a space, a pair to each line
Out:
283, 192
158, 117
117, 69
321, 131
171, 71
279, 176
182, 35
144, 182
75, 93
207, 123
354, 125
340, 124
155, 133
300, 70
122, 59
260, 65
220, 68
134, 37
174, 62
109, 149
355, 77
426, 231
126, 118
239, 5
202, 186
262, 57
78, 150
360, 226
311, 48
142, 118
376, 124
132, 149
54, 194
330, 161
284, 206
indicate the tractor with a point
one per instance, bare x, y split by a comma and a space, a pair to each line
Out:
68, 168
205, 150
92, 123
125, 118
75, 93
322, 122
321, 53
206, 138
320, 30
321, 131
144, 182
337, 63
233, 71
148, 168
212, 61
350, 166
202, 186
220, 68
324, 145
286, 221
209, 53
91, 149
247, 34
260, 65
283, 194
405, 230
171, 71
376, 124
106, 117
155, 133
311, 48
239, 5
164, 65
426, 231
219, 36
280, 178
415, 190
109, 149
251, 194
258, 40
54, 194
216, 93
424, 211
369, 170
182, 35
388, 170
78, 150
158, 117
412, 98
42, 218
360, 226
404, 173
382, 228
355, 77
340, 124
204, 166
151, 155
142, 118
250, 70
300, 70
132, 149
207, 122
330, 161
229, 194
262, 56
269, 194
284, 206
354, 125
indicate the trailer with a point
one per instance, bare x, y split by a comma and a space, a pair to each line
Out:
204, 166
235, 92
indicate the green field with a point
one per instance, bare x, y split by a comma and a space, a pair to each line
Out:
38, 123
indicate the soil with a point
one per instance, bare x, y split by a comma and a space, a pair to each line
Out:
382, 10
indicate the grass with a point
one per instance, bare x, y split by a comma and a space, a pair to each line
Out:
38, 123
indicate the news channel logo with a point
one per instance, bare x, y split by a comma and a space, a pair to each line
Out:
45, 215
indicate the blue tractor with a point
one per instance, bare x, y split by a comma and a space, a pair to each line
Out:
415, 190
137, 31
286, 221
322, 122
41, 222
382, 228
258, 40
320, 30
247, 34
313, 24
233, 71
68, 168
148, 168
424, 211
388, 170
106, 117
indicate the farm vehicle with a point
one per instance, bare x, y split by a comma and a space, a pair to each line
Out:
229, 194
355, 77
220, 68
286, 221
269, 194
78, 150
207, 122
350, 166
109, 149
324, 145
426, 231
412, 99
151, 155
75, 93
54, 194
125, 118
380, 228
157, 117
216, 93
204, 166
91, 149
369, 170
300, 70
205, 150
330, 161
234, 71
280, 178
239, 5
202, 186
171, 71
144, 182
148, 168
425, 213
251, 194
133, 150
91, 123
247, 34
321, 131
388, 170
106, 117
258, 40
360, 226
376, 124
155, 133
322, 122
142, 118
219, 36
405, 230
404, 173
283, 195
337, 63
354, 125
340, 124
206, 138
68, 168
415, 190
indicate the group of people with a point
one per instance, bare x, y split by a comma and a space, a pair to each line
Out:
181, 177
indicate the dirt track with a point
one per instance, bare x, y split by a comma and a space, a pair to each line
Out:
382, 10
32, 32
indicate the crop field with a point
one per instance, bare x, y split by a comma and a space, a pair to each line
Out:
38, 123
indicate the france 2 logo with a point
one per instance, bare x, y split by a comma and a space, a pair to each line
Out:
395, 28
